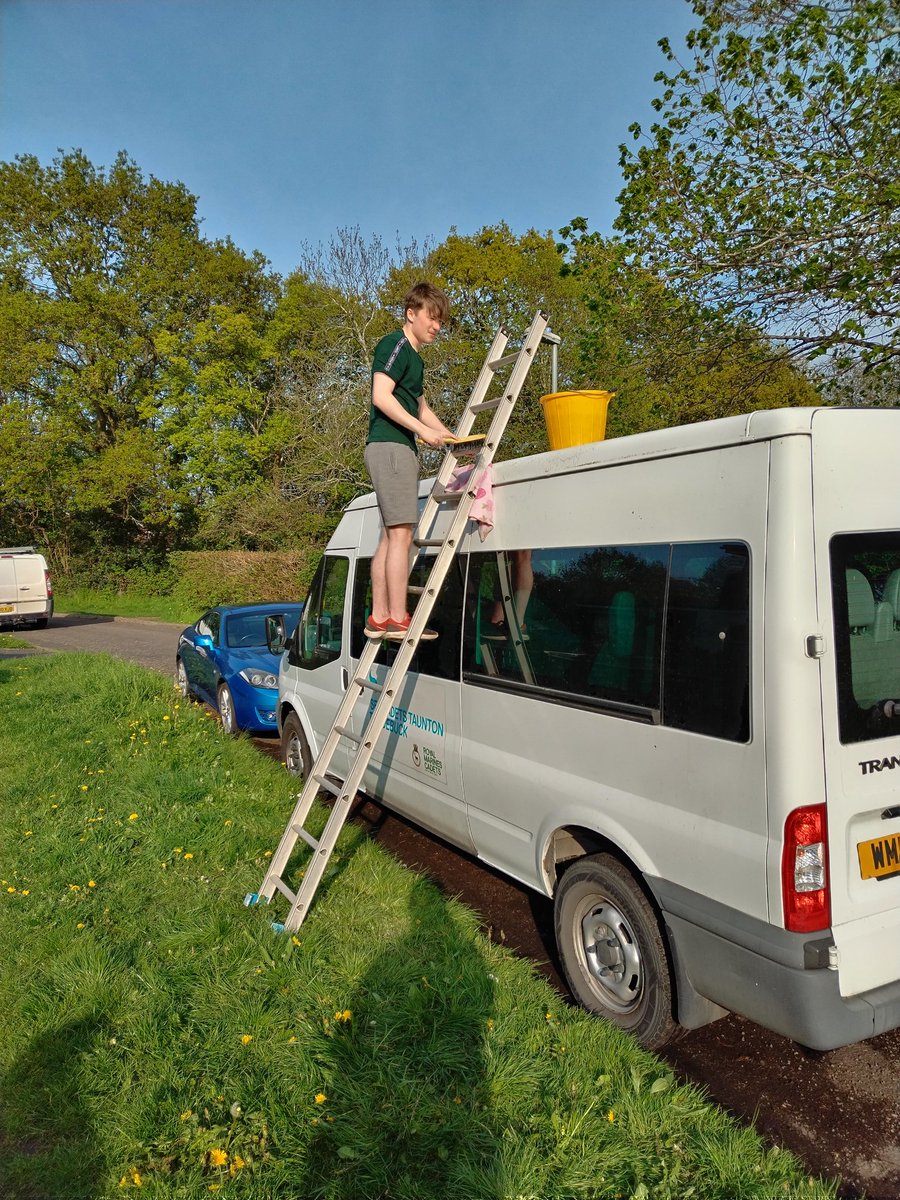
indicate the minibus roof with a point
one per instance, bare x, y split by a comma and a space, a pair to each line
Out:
658, 443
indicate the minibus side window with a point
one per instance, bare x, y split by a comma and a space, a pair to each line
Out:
440, 657
706, 676
318, 639
865, 590
582, 623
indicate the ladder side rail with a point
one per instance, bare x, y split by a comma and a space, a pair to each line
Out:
513, 624
485, 455
310, 788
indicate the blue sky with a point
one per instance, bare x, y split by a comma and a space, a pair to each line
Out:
289, 119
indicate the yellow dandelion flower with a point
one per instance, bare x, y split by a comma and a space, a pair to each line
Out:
136, 1178
215, 1187
74, 887
91, 883
26, 892
490, 1023
123, 1182
167, 717
228, 820
236, 1163
321, 1097
177, 850
347, 1014
177, 706
11, 889
186, 1115
549, 1016
80, 925
296, 940
246, 1038
314, 1121
218, 1158
189, 856
84, 787
610, 1116
133, 817
291, 1041
28, 833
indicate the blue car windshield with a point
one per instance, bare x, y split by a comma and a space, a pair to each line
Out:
249, 629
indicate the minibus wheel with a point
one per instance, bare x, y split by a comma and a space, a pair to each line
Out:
612, 949
295, 752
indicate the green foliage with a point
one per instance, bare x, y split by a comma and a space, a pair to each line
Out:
669, 361
203, 578
769, 184
130, 369
159, 1037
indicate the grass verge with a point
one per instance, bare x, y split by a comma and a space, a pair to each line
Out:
11, 641
159, 1036
126, 604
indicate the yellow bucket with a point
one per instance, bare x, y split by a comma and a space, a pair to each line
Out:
574, 418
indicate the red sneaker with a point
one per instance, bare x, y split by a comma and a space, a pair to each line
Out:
397, 631
376, 629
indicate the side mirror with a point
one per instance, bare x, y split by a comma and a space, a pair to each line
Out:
204, 640
276, 638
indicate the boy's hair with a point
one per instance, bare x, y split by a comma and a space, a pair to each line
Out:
427, 295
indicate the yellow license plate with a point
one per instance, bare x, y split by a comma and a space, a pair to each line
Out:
6, 608
879, 858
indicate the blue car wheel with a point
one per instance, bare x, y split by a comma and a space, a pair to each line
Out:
226, 709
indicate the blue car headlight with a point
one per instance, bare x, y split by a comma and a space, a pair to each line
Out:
259, 679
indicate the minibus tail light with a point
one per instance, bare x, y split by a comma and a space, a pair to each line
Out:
804, 871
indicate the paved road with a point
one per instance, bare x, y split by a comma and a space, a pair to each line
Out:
150, 643
839, 1112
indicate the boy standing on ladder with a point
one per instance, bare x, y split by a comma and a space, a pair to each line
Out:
399, 413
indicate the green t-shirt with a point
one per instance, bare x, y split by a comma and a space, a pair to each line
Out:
396, 358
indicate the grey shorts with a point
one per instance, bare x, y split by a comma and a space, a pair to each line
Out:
394, 471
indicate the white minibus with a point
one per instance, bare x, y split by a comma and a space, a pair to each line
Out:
665, 693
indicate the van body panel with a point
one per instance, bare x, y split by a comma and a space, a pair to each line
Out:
855, 457
416, 762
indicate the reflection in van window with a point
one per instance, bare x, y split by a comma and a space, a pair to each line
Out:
440, 657
653, 632
582, 621
319, 635
865, 588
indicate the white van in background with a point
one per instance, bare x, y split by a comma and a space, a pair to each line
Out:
666, 693
26, 593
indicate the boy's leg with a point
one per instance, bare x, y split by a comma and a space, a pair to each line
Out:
390, 573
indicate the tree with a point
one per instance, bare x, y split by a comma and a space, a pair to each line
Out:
128, 352
668, 360
768, 187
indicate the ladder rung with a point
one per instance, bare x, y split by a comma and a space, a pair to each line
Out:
504, 361
424, 543
367, 683
286, 891
455, 495
415, 590
348, 734
312, 842
327, 785
486, 404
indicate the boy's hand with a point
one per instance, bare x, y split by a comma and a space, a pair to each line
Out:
432, 437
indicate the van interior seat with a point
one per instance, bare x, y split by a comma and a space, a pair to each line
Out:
891, 596
860, 604
612, 666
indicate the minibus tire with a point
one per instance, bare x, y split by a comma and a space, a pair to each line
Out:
598, 894
298, 755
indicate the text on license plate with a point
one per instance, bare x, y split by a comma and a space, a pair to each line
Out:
880, 857
6, 608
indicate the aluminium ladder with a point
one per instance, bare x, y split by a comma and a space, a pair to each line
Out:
320, 778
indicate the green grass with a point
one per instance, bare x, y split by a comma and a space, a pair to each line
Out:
160, 1036
125, 604
10, 641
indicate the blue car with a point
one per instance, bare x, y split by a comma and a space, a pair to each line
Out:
225, 660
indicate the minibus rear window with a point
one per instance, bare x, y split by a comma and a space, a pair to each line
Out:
865, 589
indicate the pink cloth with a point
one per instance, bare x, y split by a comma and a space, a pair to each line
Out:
482, 509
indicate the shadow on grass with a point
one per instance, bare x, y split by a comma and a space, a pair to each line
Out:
408, 1113
47, 1146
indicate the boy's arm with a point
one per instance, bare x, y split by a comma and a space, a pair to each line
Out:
386, 402
428, 417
